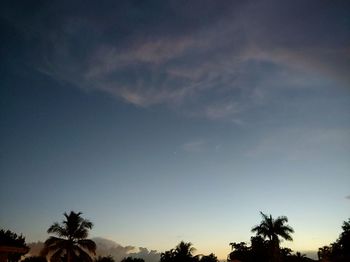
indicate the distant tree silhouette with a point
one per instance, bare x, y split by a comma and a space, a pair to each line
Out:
300, 256
273, 229
132, 259
183, 252
240, 251
35, 259
167, 256
11, 239
210, 258
104, 259
324, 253
344, 240
72, 243
286, 254
339, 251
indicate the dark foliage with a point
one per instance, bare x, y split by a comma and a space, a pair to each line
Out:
105, 259
273, 229
210, 258
35, 259
132, 259
183, 252
265, 245
11, 239
72, 243
339, 251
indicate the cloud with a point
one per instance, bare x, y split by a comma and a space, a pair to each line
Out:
348, 197
195, 146
106, 247
219, 67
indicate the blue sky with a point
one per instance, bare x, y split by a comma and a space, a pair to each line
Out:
169, 121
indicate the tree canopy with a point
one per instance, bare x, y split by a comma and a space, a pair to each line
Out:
72, 243
11, 240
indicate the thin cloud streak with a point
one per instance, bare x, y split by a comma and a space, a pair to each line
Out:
195, 146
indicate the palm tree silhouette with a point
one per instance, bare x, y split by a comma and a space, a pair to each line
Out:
182, 253
72, 242
184, 249
273, 229
300, 256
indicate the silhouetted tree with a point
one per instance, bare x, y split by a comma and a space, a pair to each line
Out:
273, 229
105, 259
344, 240
72, 243
11, 239
182, 253
300, 256
210, 258
35, 259
259, 249
167, 256
338, 251
324, 253
286, 254
132, 259
240, 251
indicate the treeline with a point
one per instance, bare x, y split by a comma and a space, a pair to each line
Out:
69, 243
339, 250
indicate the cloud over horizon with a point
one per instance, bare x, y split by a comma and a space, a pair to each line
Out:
106, 247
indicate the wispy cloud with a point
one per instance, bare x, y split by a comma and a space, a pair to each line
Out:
217, 70
195, 146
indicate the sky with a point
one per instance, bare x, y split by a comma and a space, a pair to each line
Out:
179, 120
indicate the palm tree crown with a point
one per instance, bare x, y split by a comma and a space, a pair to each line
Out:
273, 228
71, 241
182, 253
184, 249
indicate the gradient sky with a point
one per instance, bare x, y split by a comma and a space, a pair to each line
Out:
165, 121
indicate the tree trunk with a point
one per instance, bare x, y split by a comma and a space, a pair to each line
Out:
69, 258
275, 251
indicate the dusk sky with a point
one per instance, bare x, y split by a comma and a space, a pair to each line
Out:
178, 120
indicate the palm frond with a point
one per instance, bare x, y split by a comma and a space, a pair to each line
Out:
82, 254
88, 245
71, 240
273, 228
283, 219
57, 255
57, 229
55, 241
264, 216
86, 224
